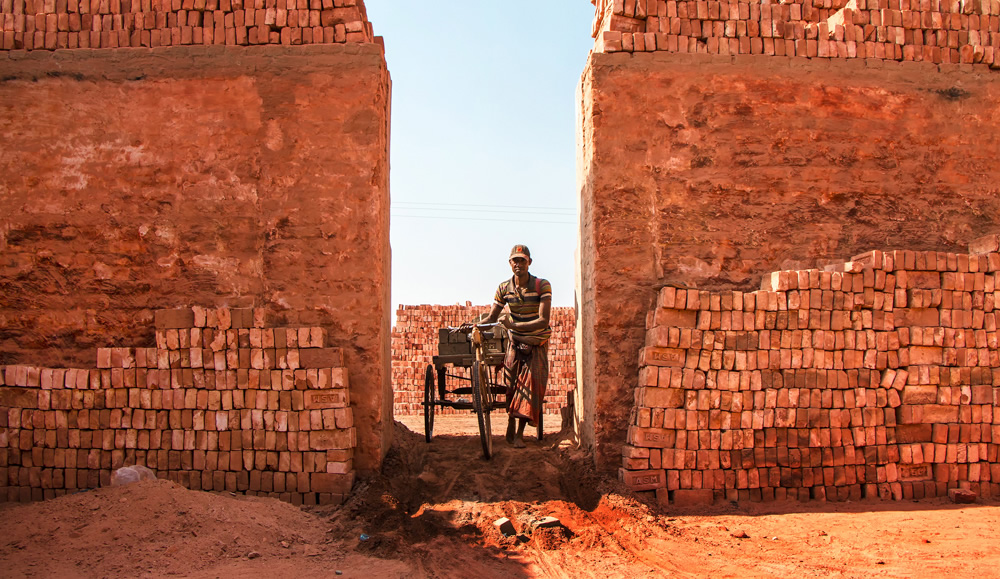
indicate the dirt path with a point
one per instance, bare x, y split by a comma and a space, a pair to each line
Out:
431, 514
466, 424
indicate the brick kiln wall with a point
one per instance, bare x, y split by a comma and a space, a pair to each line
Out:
68, 24
415, 343
937, 31
710, 171
140, 179
878, 377
221, 403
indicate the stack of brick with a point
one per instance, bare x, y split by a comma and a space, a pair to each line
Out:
938, 31
415, 343
222, 403
875, 378
59, 24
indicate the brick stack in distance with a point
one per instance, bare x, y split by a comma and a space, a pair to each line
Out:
61, 24
222, 403
877, 378
935, 31
415, 343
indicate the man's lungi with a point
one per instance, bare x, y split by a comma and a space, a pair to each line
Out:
526, 370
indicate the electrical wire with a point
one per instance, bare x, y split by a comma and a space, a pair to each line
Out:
429, 206
394, 215
460, 211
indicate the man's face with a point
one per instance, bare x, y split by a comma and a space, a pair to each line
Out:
519, 265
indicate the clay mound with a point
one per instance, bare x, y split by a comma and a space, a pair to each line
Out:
431, 509
150, 527
435, 505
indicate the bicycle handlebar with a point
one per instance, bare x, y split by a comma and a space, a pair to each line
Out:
468, 327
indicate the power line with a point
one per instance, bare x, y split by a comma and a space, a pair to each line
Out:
418, 204
484, 219
491, 212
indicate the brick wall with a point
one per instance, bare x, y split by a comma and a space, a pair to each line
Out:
222, 402
69, 24
878, 377
415, 342
142, 179
710, 171
936, 31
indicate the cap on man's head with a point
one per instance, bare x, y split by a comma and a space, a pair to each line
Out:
520, 251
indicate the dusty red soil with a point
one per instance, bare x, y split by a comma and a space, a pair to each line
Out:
431, 514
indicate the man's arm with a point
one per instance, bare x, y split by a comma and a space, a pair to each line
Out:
494, 314
539, 323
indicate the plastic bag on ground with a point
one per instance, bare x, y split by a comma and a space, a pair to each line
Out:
131, 474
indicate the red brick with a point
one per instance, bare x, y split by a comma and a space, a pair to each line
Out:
911, 433
962, 496
652, 437
985, 244
18, 398
675, 318
331, 439
660, 397
909, 317
643, 480
653, 356
321, 358
174, 319
939, 413
920, 394
331, 482
925, 355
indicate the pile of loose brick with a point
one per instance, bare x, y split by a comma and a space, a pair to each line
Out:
61, 24
878, 377
415, 343
937, 31
222, 403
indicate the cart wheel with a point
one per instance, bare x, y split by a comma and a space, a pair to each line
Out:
429, 403
482, 406
541, 415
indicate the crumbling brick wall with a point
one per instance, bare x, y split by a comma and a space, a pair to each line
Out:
148, 178
223, 402
415, 343
936, 31
878, 377
709, 171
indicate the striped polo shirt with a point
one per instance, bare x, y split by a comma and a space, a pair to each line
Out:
524, 304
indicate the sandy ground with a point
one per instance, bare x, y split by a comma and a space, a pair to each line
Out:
431, 514
466, 424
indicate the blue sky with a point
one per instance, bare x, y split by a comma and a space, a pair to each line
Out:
483, 128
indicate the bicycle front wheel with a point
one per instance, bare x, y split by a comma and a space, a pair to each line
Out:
482, 405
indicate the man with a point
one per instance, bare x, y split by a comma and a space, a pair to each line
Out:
526, 365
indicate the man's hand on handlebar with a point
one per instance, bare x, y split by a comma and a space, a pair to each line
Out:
467, 327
